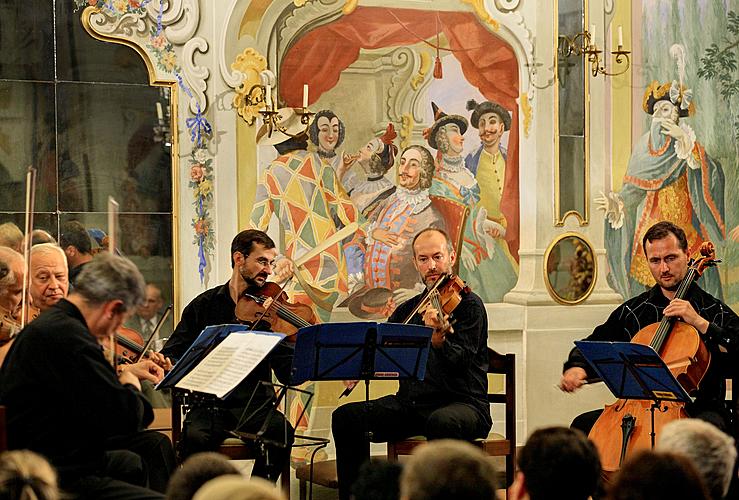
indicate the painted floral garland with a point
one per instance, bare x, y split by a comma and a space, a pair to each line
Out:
200, 162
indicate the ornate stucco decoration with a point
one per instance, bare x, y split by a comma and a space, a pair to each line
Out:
250, 64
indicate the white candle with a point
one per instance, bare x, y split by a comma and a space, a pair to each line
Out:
305, 95
620, 36
268, 97
592, 34
160, 114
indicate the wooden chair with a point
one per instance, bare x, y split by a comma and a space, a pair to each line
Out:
455, 217
233, 448
500, 364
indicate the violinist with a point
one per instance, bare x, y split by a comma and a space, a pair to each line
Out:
666, 248
49, 275
66, 402
206, 425
451, 402
12, 271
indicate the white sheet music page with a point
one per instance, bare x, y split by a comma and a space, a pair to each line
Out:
230, 362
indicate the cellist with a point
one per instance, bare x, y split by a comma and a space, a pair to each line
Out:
666, 248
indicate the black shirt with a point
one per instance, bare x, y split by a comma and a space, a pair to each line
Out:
647, 308
215, 307
457, 371
63, 398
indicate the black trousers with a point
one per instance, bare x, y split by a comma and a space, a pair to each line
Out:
121, 476
156, 452
206, 428
391, 419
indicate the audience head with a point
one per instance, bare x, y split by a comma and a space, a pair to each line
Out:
230, 487
11, 236
113, 287
378, 480
12, 270
152, 304
651, 475
24, 475
76, 243
446, 469
557, 462
39, 236
711, 451
197, 470
49, 275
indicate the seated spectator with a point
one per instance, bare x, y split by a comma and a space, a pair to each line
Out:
557, 462
197, 470
241, 488
445, 469
712, 452
378, 480
25, 475
652, 475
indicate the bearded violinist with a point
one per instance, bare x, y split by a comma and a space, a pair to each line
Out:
208, 423
451, 402
65, 401
666, 248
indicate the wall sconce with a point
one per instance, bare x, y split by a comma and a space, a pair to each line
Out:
260, 96
583, 44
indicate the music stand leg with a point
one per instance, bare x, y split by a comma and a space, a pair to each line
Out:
367, 432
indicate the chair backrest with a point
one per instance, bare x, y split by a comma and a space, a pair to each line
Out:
455, 215
505, 364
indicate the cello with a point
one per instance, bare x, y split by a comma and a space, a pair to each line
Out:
685, 354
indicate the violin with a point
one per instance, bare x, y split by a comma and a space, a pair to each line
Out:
282, 315
129, 344
444, 296
11, 323
625, 426
9, 326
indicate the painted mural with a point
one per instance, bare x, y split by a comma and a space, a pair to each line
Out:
685, 127
416, 126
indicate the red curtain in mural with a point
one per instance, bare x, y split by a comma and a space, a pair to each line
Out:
487, 62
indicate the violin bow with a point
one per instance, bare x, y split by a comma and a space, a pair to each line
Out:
28, 241
112, 240
154, 334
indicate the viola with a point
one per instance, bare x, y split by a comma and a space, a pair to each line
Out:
625, 426
282, 315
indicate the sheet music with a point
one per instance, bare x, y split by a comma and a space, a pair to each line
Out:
230, 362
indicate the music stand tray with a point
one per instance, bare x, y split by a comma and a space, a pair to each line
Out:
360, 351
633, 371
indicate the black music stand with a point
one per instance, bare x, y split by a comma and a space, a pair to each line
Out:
634, 371
360, 351
208, 340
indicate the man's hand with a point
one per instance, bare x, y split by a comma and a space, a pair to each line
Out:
385, 236
684, 311
431, 318
572, 379
143, 370
282, 270
159, 359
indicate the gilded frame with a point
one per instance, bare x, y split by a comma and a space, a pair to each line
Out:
175, 148
584, 218
552, 292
